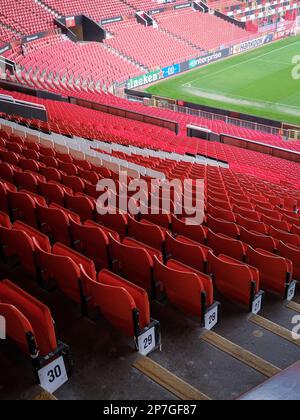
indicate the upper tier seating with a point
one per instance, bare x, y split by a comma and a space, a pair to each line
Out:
26, 16
214, 32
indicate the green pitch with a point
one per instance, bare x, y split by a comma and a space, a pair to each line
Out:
259, 82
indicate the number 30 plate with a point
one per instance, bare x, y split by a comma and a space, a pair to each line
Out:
54, 375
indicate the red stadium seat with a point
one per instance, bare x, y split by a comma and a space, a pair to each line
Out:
236, 281
275, 272
188, 290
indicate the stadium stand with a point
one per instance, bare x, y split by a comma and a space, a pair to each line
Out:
65, 257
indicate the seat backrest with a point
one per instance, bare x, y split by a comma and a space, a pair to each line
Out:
278, 224
92, 242
41, 239
233, 279
249, 224
135, 263
257, 240
292, 253
147, 233
222, 244
116, 222
17, 326
83, 206
139, 296
189, 254
5, 220
54, 223
22, 207
61, 269
6, 172
220, 213
36, 312
287, 238
274, 270
78, 259
18, 243
221, 226
183, 289
52, 192
196, 233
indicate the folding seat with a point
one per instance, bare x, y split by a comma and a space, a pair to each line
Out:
9, 157
286, 212
69, 214
189, 254
3, 197
91, 190
82, 164
14, 147
30, 154
221, 226
278, 224
73, 182
194, 232
219, 213
68, 168
89, 176
91, 242
5, 220
116, 222
162, 220
7, 172
237, 281
219, 204
290, 203
22, 207
131, 314
54, 223
51, 174
47, 151
295, 230
53, 193
249, 214
26, 180
30, 165
146, 233
135, 264
253, 225
40, 238
29, 323
258, 240
291, 253
263, 204
243, 204
81, 205
64, 157
275, 272
285, 237
222, 244
63, 267
188, 290
274, 214
38, 199
17, 244
49, 161
291, 220
108, 232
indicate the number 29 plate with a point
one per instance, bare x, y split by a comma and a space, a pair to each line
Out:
146, 342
